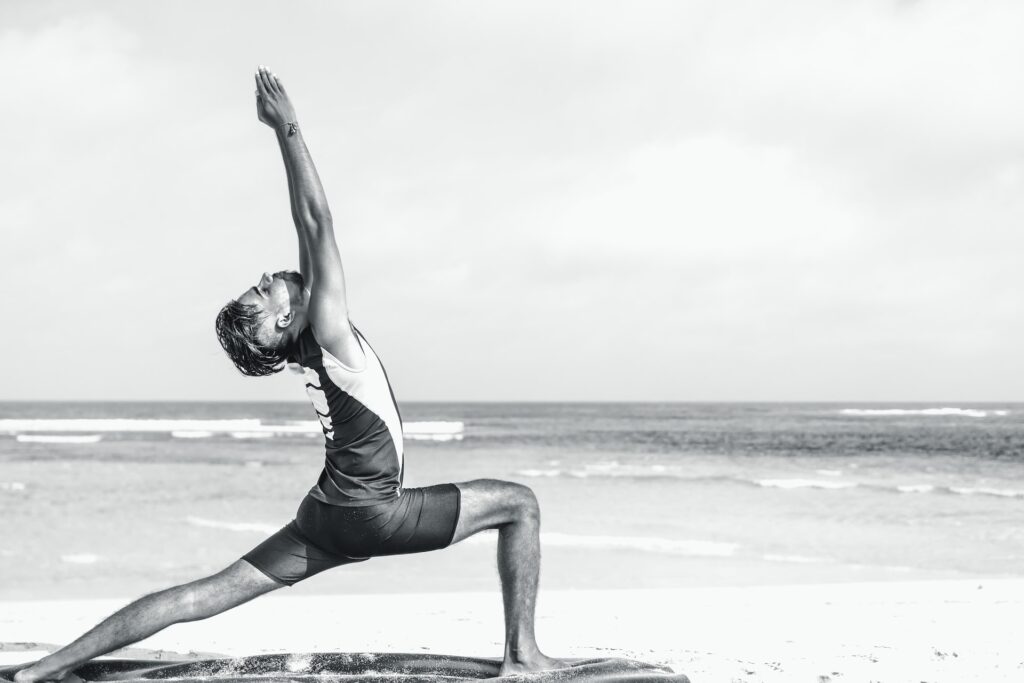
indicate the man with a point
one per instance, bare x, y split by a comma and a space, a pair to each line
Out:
358, 509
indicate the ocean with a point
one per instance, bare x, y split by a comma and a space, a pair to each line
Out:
117, 499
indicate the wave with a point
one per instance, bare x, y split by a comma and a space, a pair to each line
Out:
1001, 493
959, 490
59, 438
199, 428
650, 544
433, 437
898, 488
539, 473
612, 470
252, 435
916, 488
797, 559
931, 412
646, 544
234, 526
587, 474
12, 486
125, 425
615, 470
433, 431
804, 484
80, 558
662, 473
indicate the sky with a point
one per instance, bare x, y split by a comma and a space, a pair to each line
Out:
714, 200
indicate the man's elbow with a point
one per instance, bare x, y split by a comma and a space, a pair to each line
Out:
321, 214
316, 220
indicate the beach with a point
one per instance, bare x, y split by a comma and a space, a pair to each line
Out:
893, 631
731, 542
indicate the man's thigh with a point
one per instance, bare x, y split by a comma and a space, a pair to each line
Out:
490, 503
289, 556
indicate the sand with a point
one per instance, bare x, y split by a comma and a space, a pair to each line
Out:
937, 631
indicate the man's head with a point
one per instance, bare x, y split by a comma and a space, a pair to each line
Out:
258, 329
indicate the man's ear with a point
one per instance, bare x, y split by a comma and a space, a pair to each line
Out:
283, 321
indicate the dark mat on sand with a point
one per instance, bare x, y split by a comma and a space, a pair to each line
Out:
378, 668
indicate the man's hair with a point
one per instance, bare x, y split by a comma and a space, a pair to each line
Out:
238, 327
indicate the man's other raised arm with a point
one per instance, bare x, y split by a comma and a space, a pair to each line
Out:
319, 258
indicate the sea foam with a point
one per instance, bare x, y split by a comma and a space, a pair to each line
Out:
539, 473
247, 428
433, 431
804, 483
666, 546
797, 559
59, 438
932, 412
234, 526
983, 491
915, 488
124, 425
611, 470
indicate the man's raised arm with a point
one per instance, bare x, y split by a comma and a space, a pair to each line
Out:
319, 259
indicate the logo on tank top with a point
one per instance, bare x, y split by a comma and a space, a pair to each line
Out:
319, 399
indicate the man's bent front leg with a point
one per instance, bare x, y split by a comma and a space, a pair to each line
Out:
512, 509
200, 599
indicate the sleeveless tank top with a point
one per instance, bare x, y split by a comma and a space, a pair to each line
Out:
361, 424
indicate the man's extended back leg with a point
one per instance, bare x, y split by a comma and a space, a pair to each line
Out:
512, 509
200, 599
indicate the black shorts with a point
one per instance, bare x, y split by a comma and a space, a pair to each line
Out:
323, 536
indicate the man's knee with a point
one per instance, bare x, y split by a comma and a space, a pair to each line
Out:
493, 504
519, 500
529, 508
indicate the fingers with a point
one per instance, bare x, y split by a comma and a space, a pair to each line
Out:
268, 84
271, 81
261, 88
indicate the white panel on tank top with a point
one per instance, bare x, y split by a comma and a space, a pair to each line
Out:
319, 399
369, 387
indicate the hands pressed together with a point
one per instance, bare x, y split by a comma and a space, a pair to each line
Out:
272, 104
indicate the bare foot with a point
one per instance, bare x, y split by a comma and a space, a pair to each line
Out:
537, 662
31, 674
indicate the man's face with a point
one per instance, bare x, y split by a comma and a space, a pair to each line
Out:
274, 295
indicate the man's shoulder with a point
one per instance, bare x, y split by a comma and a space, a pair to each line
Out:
344, 347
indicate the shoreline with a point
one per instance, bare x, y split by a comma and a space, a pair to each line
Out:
945, 630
